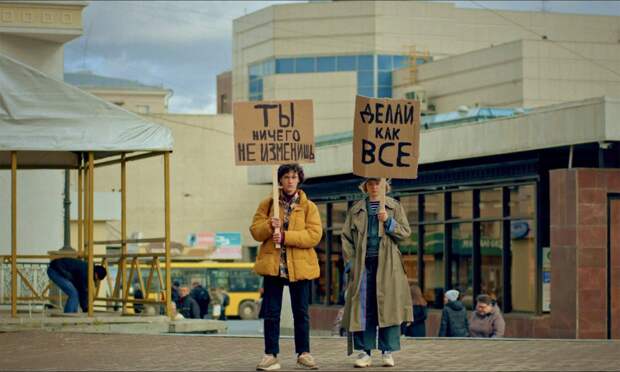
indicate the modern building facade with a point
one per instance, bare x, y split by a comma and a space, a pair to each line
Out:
224, 93
512, 112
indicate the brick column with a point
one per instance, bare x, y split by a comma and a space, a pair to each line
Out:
579, 250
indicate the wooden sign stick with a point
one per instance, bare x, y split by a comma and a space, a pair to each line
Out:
381, 204
276, 197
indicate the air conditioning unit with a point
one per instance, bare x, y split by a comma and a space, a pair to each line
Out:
419, 95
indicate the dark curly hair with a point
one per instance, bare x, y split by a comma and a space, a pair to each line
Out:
294, 167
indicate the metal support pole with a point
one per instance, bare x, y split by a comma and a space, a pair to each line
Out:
67, 217
86, 207
91, 233
80, 208
122, 262
14, 234
167, 231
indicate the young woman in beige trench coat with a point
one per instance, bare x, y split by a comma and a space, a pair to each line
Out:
378, 292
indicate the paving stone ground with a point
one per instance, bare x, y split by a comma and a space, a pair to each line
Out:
40, 350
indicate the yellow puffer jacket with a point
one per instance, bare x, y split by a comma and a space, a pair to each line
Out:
303, 234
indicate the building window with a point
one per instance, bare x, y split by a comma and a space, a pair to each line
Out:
143, 109
326, 64
480, 240
346, 63
285, 66
374, 72
305, 65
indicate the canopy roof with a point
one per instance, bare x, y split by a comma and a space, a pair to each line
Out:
50, 122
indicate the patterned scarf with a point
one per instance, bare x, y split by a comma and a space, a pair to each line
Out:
287, 204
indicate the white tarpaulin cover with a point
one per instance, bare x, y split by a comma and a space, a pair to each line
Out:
41, 114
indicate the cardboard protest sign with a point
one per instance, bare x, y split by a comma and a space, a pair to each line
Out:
386, 138
273, 132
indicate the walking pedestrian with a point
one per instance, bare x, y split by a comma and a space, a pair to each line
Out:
486, 320
297, 230
453, 317
377, 270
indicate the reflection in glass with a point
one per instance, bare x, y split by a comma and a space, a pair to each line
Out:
522, 201
491, 202
434, 265
410, 205
339, 214
462, 269
323, 213
462, 204
433, 207
491, 259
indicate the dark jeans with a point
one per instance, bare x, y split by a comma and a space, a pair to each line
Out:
73, 297
389, 337
272, 307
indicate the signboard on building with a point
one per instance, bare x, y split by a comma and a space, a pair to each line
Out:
273, 132
386, 138
227, 246
214, 246
546, 277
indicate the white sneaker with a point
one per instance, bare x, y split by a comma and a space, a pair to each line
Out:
363, 360
268, 363
388, 360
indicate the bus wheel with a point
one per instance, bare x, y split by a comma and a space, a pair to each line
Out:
247, 310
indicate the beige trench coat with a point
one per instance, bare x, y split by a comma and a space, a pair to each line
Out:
393, 296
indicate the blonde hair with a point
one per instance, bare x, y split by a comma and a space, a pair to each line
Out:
364, 189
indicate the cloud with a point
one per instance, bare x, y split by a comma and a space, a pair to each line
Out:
181, 45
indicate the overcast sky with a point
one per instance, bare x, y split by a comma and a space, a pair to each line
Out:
183, 45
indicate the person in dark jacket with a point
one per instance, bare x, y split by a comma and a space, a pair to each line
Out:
486, 320
189, 308
71, 276
420, 312
454, 316
201, 295
174, 294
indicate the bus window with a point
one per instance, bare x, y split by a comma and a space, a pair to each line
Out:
218, 278
243, 281
186, 277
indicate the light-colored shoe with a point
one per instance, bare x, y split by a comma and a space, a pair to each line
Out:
306, 361
387, 359
268, 363
363, 360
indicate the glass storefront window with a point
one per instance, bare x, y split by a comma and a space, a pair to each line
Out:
462, 202
319, 283
523, 266
410, 205
461, 262
339, 214
491, 259
491, 202
522, 201
434, 265
323, 213
433, 207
